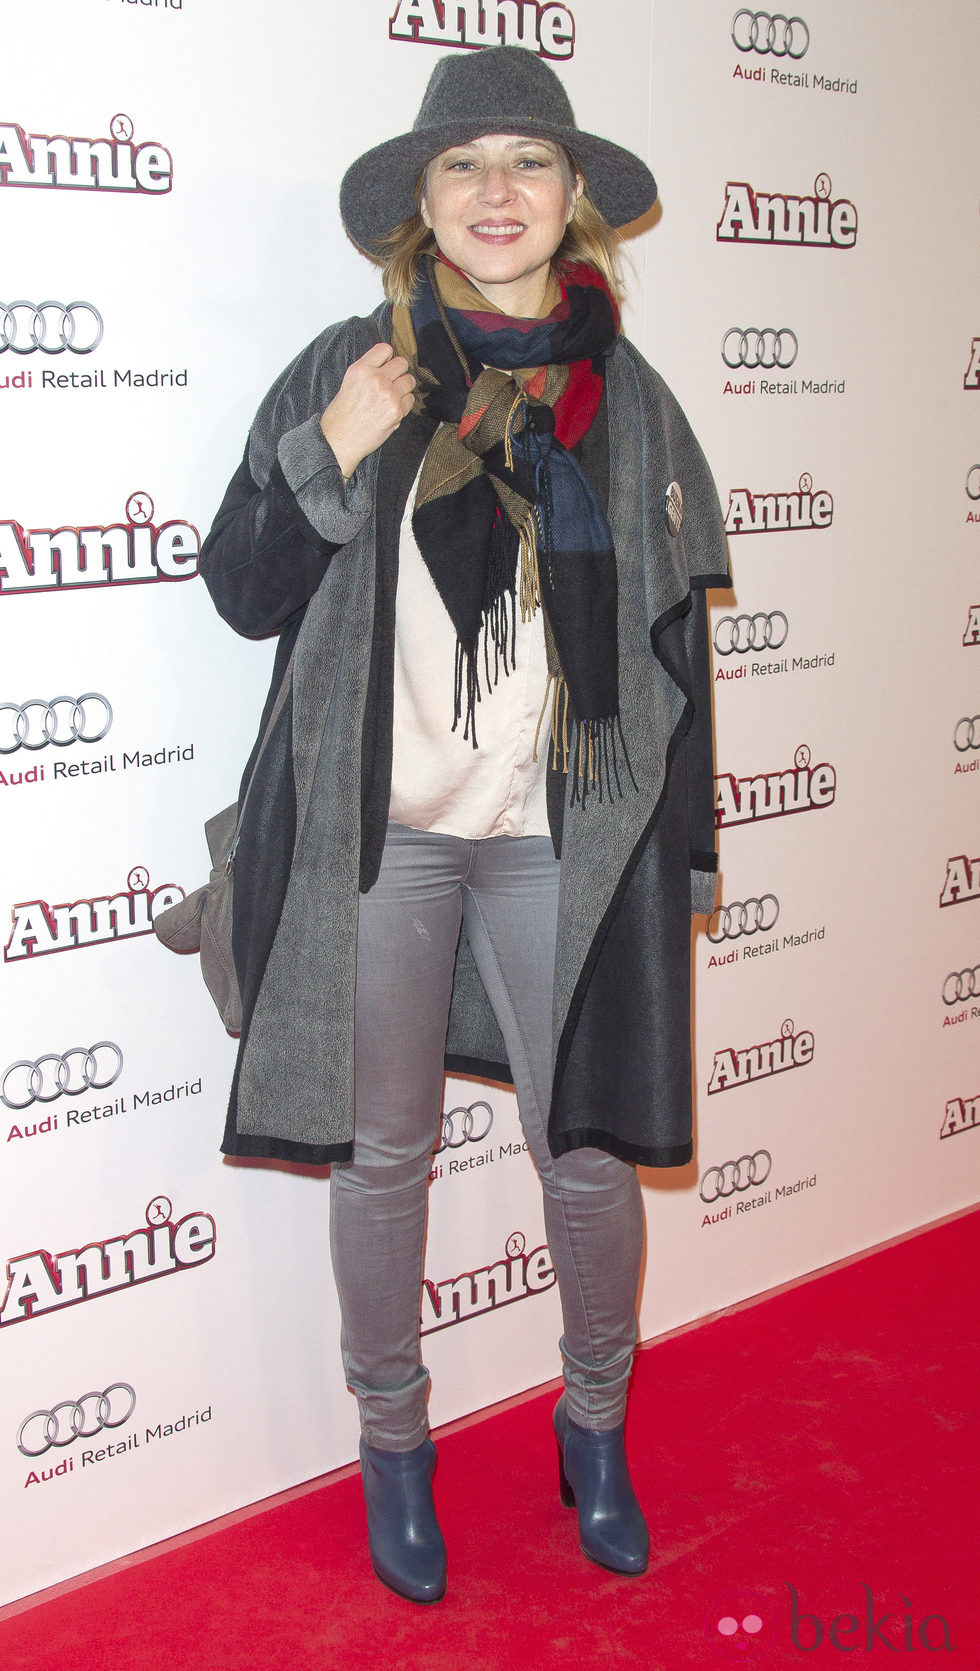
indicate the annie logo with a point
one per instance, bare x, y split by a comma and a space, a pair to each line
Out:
747, 800
40, 1282
778, 513
962, 1114
51, 559
544, 28
115, 164
517, 1277
40, 928
761, 1061
962, 880
751, 217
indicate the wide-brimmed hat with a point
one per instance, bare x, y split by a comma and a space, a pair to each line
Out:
500, 89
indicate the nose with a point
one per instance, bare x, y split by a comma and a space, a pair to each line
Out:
498, 187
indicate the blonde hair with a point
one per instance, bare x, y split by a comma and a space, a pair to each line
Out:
588, 237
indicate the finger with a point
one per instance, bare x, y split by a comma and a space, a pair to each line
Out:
396, 367
377, 355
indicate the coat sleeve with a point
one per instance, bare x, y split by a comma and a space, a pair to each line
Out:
287, 509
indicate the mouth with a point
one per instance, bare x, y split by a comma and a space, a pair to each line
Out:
494, 232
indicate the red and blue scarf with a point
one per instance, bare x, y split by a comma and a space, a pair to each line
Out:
502, 505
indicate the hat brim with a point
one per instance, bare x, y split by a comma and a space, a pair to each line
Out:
378, 190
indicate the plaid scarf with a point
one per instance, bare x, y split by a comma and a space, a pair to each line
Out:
500, 495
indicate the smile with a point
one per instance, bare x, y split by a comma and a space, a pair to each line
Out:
511, 230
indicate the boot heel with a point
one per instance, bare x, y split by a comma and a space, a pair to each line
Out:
612, 1530
565, 1491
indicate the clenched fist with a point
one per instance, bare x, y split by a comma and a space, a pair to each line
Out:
376, 394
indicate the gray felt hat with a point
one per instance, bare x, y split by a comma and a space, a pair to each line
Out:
500, 89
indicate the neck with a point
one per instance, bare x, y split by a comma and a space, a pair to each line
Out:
532, 297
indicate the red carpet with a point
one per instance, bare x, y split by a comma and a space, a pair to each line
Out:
824, 1439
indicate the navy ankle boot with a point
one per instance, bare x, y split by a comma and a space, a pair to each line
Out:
593, 1476
404, 1541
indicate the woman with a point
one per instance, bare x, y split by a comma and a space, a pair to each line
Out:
482, 529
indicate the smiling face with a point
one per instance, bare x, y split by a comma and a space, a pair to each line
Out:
499, 207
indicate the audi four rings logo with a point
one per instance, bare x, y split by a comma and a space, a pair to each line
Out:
973, 481
753, 347
963, 984
49, 327
737, 634
73, 1419
465, 1125
736, 1174
64, 720
51, 1076
762, 32
967, 734
744, 917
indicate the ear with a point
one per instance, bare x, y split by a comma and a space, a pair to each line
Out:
574, 195
424, 212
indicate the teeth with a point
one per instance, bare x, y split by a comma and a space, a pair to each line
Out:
499, 231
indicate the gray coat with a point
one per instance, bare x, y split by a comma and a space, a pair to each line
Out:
295, 550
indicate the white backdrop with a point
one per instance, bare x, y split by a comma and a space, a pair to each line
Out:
210, 250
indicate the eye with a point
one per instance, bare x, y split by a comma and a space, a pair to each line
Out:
533, 162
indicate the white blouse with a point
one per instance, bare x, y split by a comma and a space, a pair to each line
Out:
439, 781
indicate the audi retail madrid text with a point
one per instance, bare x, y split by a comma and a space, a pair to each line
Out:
961, 996
539, 25
463, 1145
773, 349
127, 760
782, 42
751, 923
21, 1077
90, 1456
738, 635
732, 1182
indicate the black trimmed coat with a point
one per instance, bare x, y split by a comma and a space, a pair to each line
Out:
296, 551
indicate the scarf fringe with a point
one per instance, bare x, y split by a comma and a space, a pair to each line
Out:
596, 750
497, 627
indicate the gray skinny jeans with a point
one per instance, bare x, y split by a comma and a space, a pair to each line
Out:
506, 891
